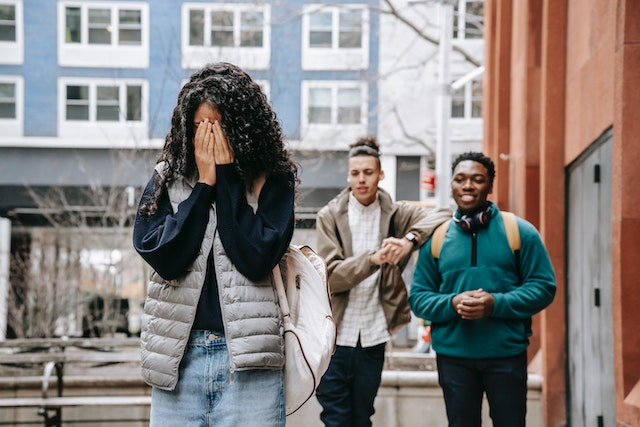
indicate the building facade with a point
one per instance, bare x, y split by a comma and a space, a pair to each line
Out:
562, 118
87, 89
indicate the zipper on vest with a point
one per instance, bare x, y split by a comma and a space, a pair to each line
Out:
474, 249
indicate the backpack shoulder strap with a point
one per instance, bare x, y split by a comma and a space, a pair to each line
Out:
511, 227
438, 237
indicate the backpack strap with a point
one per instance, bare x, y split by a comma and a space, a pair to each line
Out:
511, 227
438, 237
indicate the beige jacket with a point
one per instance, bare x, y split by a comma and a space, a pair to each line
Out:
346, 270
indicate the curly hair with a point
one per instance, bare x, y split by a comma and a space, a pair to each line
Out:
248, 120
477, 157
365, 146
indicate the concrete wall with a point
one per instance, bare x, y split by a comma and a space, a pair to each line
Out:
406, 398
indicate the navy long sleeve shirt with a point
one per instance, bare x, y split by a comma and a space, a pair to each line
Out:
170, 241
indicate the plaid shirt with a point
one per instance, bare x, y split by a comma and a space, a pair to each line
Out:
363, 318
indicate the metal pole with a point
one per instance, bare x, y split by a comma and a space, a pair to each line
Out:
5, 254
443, 108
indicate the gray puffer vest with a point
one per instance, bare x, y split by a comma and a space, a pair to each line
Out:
250, 312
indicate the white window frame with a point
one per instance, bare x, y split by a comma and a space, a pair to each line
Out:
113, 55
334, 57
468, 102
256, 58
97, 132
332, 135
12, 52
13, 127
460, 33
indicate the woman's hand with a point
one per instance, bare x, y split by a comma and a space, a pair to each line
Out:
204, 144
223, 151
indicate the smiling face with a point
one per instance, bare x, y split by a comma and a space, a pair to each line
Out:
470, 186
364, 175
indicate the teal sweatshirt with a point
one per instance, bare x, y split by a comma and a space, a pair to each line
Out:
484, 259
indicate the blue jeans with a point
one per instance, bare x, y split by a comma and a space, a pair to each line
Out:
349, 387
464, 381
206, 395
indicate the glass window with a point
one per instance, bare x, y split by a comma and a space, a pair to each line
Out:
349, 101
468, 19
457, 103
251, 29
108, 103
476, 98
134, 103
221, 28
320, 105
7, 23
320, 29
7, 101
73, 25
130, 27
350, 29
99, 26
474, 20
196, 27
77, 102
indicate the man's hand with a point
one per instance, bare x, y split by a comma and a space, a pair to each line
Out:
392, 251
473, 304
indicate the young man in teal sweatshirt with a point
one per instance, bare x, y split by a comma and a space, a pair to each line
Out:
479, 296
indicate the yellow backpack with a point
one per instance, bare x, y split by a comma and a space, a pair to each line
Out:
510, 225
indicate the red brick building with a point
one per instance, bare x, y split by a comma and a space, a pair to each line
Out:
562, 121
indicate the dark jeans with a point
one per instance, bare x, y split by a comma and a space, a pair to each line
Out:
349, 387
504, 380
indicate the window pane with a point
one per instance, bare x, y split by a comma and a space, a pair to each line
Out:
196, 28
350, 29
130, 27
99, 26
349, 106
457, 103
476, 98
221, 28
77, 103
320, 29
474, 20
320, 105
107, 105
134, 103
7, 23
7, 101
251, 29
73, 25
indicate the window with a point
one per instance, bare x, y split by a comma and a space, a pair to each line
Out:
117, 107
236, 33
466, 102
468, 19
331, 107
11, 101
103, 34
8, 23
11, 27
335, 38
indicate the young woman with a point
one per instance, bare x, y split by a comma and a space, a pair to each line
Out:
214, 219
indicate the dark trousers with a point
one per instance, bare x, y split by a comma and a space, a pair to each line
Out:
464, 381
349, 387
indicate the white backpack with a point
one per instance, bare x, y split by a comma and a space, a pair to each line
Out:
309, 328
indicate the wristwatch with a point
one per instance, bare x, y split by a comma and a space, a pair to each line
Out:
412, 238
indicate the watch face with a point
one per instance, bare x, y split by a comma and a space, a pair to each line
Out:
410, 237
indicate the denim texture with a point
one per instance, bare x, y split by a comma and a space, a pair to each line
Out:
504, 380
348, 389
208, 395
